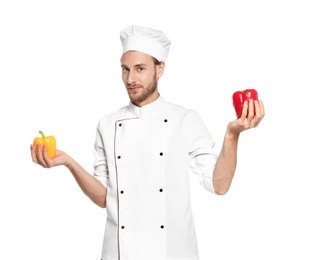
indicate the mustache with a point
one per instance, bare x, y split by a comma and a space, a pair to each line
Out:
133, 85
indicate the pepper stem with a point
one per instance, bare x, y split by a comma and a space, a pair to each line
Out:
43, 136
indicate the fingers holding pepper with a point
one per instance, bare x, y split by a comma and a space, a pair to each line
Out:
39, 155
259, 112
252, 113
33, 150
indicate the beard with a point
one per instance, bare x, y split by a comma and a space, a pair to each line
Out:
146, 91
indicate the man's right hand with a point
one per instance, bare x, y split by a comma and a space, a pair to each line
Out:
40, 157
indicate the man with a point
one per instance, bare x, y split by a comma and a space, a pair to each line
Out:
143, 155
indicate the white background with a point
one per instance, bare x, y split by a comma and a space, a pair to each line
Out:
60, 71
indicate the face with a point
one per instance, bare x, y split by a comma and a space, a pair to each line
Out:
140, 76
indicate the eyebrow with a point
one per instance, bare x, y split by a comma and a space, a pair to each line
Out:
136, 65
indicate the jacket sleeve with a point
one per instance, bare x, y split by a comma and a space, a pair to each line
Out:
100, 162
202, 158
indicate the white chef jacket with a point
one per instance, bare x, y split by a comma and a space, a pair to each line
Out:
143, 156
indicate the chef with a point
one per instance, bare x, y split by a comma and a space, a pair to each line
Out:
144, 153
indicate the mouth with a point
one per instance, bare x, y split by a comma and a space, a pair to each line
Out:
133, 88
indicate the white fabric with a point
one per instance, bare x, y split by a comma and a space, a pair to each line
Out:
147, 40
143, 157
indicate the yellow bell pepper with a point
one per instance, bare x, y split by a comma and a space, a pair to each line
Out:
49, 142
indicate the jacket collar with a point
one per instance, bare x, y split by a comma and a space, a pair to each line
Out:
147, 109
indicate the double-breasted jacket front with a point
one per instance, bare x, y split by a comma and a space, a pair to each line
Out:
143, 156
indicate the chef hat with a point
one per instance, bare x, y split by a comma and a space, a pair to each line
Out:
150, 41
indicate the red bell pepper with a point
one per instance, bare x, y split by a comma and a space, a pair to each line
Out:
239, 97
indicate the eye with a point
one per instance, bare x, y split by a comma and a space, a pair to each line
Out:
125, 69
141, 69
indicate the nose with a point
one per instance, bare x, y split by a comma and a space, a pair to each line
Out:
131, 77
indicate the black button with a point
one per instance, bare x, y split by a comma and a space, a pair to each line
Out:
119, 157
122, 227
161, 190
120, 125
161, 154
122, 192
165, 120
162, 226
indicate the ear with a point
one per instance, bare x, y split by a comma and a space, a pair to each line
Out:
160, 69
